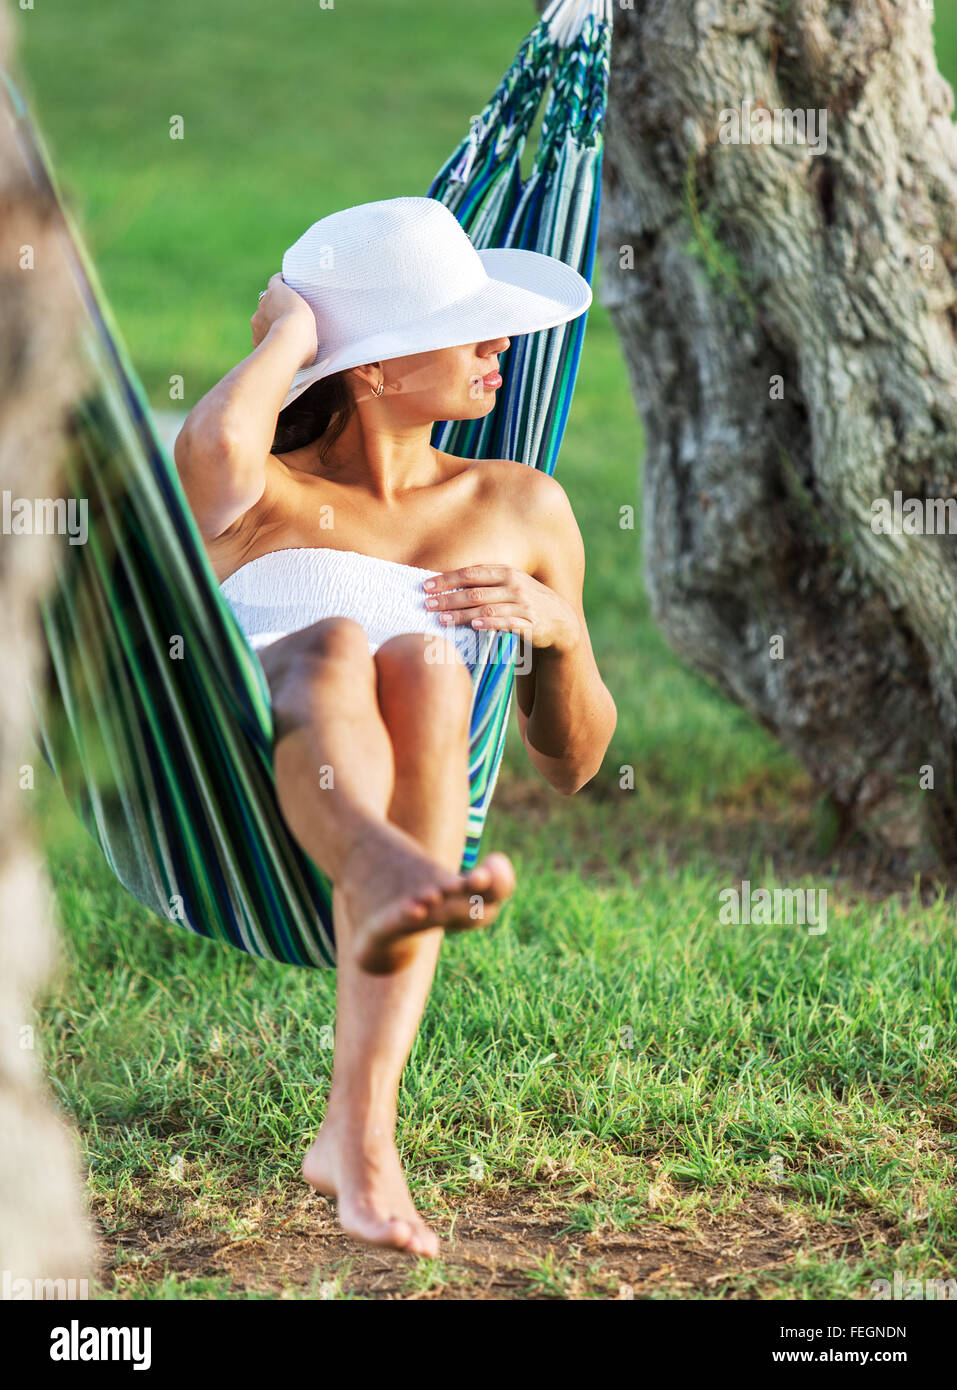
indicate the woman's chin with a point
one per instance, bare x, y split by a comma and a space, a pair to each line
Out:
472, 410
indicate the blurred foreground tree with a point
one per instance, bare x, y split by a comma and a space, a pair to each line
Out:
43, 1231
779, 258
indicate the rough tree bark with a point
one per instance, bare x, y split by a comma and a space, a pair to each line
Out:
43, 1231
836, 273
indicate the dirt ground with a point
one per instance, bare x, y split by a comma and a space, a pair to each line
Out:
496, 1246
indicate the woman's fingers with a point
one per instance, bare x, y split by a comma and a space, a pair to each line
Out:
474, 598
281, 302
260, 321
498, 615
469, 575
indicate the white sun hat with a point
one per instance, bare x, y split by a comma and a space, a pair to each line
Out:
401, 276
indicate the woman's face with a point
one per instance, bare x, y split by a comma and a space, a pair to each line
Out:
454, 383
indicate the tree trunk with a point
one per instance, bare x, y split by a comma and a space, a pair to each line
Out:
43, 1231
788, 314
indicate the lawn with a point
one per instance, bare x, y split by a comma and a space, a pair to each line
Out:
612, 1091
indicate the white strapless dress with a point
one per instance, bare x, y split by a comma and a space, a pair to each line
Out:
288, 590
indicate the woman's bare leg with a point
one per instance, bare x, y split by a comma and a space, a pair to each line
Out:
335, 777
426, 715
353, 714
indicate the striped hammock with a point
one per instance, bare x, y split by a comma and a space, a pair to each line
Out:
154, 713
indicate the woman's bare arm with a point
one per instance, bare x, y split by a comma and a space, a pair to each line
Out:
222, 448
566, 714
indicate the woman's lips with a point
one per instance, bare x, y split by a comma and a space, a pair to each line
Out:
493, 380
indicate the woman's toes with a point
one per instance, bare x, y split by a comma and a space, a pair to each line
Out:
479, 879
441, 888
497, 873
430, 896
399, 1233
392, 1230
413, 908
493, 880
424, 1242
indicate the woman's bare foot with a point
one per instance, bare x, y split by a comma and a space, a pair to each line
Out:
396, 890
365, 1177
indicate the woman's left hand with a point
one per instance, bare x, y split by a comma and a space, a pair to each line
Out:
497, 597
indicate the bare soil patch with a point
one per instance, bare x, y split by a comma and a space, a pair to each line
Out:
495, 1246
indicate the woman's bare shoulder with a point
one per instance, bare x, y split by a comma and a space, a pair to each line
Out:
509, 478
530, 506
542, 500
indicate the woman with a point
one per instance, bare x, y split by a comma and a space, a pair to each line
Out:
362, 563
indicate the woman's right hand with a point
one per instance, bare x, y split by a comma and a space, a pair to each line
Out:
280, 302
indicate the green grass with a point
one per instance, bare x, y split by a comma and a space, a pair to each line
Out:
609, 1049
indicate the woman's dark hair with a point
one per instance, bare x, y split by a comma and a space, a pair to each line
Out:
321, 412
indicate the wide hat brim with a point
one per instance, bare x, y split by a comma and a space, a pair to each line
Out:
526, 291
